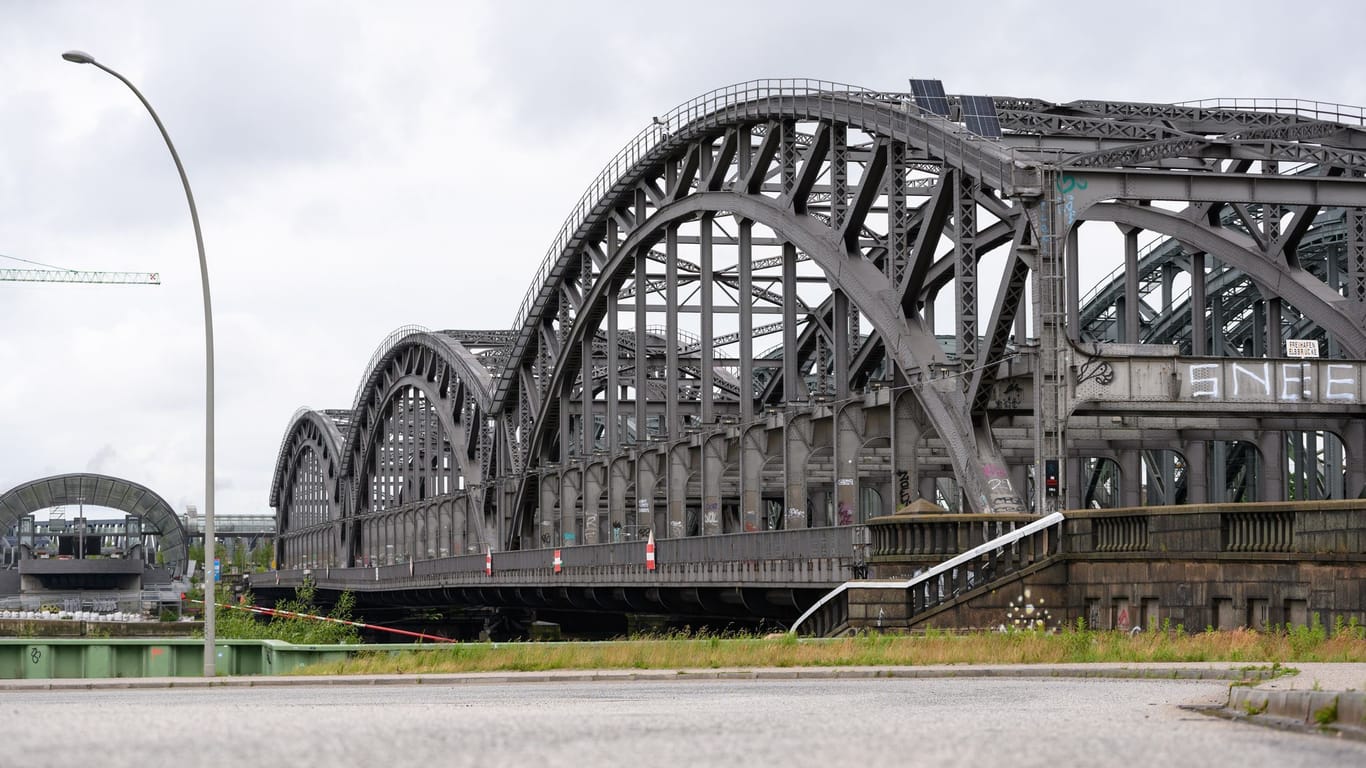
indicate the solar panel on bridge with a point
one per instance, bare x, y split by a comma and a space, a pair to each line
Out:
929, 96
979, 113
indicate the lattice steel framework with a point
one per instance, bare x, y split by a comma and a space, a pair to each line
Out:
741, 325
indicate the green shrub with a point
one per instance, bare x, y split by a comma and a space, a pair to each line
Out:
236, 623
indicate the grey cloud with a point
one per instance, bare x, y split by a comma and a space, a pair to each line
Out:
102, 458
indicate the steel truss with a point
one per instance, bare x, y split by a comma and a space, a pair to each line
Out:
795, 303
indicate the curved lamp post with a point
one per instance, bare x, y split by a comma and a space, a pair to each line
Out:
81, 57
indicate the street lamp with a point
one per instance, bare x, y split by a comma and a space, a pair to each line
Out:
81, 57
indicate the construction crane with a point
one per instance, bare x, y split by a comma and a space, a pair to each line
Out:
78, 276
52, 274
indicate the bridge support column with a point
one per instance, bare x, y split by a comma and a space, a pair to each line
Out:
427, 526
593, 482
847, 439
1129, 318
1198, 306
906, 432
677, 489
1168, 464
342, 543
647, 477
1217, 468
619, 478
550, 493
1073, 476
409, 533
713, 464
1271, 485
887, 496
1019, 477
506, 491
796, 451
928, 489
1131, 475
751, 476
1054, 290
570, 487
455, 536
388, 538
365, 544
392, 535
1354, 442
1197, 472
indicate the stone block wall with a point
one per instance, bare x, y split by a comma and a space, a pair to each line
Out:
1221, 566
1218, 593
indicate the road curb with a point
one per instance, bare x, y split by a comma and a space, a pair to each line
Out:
1341, 712
1240, 674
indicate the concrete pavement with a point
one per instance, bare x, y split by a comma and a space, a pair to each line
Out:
1315, 695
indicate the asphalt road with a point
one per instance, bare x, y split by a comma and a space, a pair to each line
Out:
982, 722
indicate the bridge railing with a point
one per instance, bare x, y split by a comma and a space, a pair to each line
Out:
933, 537
601, 554
843, 544
1308, 528
839, 541
1315, 110
1005, 553
1003, 556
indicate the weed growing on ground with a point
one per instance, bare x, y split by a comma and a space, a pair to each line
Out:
1077, 644
1327, 714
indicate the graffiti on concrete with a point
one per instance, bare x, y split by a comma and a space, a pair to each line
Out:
1282, 381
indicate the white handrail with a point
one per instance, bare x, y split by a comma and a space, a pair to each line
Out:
1047, 521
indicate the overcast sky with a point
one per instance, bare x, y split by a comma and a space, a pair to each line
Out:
362, 166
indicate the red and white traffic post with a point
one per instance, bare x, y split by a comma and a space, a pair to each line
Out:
650, 552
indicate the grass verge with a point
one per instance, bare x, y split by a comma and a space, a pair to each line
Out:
685, 652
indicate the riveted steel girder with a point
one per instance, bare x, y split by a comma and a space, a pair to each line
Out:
869, 191
1331, 310
913, 348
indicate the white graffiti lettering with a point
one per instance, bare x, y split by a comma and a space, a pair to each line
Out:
1204, 386
1329, 393
1250, 373
1288, 382
1287, 378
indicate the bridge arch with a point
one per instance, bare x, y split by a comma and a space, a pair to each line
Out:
306, 490
557, 301
420, 433
909, 344
580, 395
100, 491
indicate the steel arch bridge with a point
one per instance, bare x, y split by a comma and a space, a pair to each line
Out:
794, 303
